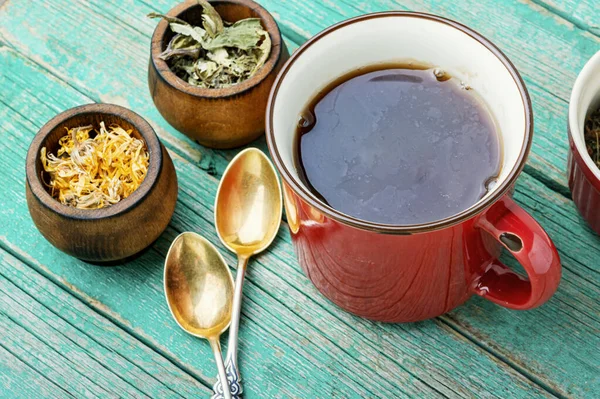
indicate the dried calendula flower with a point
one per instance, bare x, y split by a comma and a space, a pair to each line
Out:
218, 54
95, 172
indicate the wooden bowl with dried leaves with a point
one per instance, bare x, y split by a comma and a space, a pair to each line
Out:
222, 117
115, 231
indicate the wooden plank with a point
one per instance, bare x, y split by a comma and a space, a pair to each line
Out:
550, 138
548, 50
18, 379
126, 75
575, 308
555, 122
52, 362
155, 285
74, 347
557, 343
278, 354
557, 118
585, 14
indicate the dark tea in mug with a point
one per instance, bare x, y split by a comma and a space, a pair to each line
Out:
398, 144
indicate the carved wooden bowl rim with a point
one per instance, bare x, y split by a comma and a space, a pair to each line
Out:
33, 171
171, 79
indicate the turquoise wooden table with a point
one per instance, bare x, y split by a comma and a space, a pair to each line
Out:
70, 329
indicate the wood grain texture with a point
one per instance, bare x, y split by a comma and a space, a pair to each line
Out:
277, 354
584, 14
19, 378
77, 351
548, 50
554, 346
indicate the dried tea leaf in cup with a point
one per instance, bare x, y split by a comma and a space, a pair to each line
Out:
592, 136
219, 54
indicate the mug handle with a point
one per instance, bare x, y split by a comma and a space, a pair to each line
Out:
519, 233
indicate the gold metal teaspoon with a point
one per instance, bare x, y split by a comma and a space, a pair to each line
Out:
248, 210
199, 291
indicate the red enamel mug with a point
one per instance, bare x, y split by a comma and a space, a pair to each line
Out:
584, 175
403, 273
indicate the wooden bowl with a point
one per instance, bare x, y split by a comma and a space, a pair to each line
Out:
217, 118
115, 232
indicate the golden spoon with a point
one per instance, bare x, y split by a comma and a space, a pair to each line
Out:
199, 291
248, 211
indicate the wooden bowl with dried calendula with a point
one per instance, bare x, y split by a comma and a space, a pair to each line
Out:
211, 69
100, 185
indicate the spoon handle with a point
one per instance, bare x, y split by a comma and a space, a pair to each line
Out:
233, 378
216, 347
233, 374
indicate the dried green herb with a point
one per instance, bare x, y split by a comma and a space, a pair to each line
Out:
218, 54
592, 136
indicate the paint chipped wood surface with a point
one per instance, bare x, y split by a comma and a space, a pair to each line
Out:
69, 329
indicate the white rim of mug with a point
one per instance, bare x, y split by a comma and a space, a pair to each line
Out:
460, 217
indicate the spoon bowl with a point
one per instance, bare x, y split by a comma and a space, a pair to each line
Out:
248, 204
198, 286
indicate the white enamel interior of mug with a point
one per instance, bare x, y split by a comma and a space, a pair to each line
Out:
397, 38
584, 98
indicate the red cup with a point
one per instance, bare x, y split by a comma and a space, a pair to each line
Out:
403, 273
584, 176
